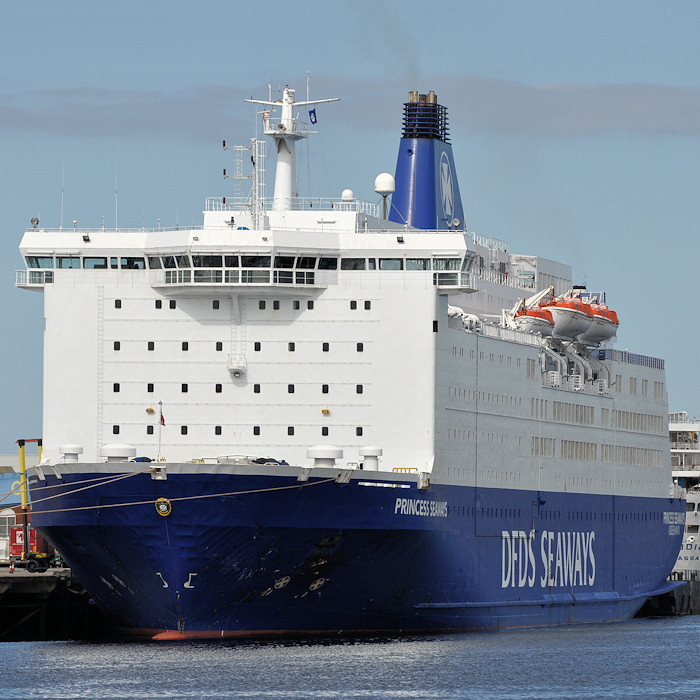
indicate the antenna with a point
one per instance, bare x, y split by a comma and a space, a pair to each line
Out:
116, 198
63, 175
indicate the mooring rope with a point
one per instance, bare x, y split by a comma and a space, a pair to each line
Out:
182, 498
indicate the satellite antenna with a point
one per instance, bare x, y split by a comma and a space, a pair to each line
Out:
384, 184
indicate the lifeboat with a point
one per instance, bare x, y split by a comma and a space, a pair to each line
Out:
535, 320
572, 318
603, 327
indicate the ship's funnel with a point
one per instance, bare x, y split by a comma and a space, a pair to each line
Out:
427, 193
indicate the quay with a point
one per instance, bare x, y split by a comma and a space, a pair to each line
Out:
51, 605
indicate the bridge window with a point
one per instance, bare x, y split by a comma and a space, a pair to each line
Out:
231, 260
306, 263
206, 260
328, 264
183, 260
95, 263
133, 264
447, 264
255, 261
67, 263
352, 264
390, 264
154, 262
417, 264
284, 261
169, 262
38, 261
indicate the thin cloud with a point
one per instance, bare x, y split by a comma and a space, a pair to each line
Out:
475, 104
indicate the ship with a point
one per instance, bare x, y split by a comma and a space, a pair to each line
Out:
684, 435
313, 416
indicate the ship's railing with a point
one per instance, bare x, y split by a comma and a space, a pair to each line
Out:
489, 242
236, 277
694, 446
501, 278
630, 358
30, 278
360, 206
516, 336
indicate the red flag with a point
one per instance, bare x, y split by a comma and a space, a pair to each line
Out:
162, 419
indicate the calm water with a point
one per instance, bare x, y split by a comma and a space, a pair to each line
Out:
641, 658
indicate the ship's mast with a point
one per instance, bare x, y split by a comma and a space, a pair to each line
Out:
286, 131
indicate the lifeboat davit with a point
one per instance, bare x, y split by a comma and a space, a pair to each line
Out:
572, 318
535, 320
603, 327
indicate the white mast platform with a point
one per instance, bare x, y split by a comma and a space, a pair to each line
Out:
286, 131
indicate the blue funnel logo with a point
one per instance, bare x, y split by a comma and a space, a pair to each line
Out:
447, 189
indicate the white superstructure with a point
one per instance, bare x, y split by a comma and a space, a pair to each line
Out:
278, 326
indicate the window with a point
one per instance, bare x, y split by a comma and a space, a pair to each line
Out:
447, 264
353, 305
231, 260
326, 347
168, 262
159, 303
173, 303
151, 345
255, 260
290, 388
276, 304
149, 430
68, 263
284, 261
417, 264
256, 388
256, 347
358, 431
183, 430
218, 388
95, 263
290, 430
306, 263
154, 263
184, 388
132, 264
324, 389
360, 347
115, 387
217, 430
295, 304
115, 430
328, 264
352, 264
390, 264
261, 304
291, 347
117, 303
149, 388
219, 346
37, 261
368, 305
359, 389
215, 304
256, 430
324, 431
117, 345
310, 304
185, 346
206, 261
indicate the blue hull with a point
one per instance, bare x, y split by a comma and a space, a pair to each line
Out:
321, 557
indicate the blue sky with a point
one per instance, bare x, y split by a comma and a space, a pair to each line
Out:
576, 130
